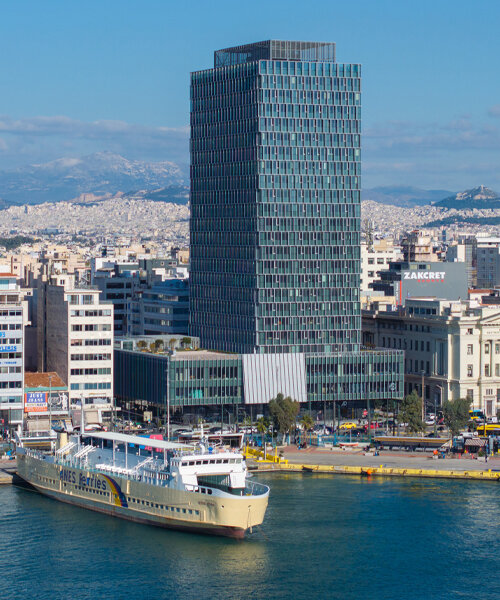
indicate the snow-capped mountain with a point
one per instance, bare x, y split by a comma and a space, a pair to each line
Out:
478, 197
100, 173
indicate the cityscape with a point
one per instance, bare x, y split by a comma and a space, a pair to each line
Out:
252, 311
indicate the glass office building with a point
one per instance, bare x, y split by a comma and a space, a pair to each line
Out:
275, 200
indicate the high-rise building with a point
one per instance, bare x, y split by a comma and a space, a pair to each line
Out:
275, 200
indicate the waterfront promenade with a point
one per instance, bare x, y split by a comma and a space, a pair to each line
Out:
386, 464
404, 460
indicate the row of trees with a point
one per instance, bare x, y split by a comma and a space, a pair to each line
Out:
158, 345
284, 411
455, 412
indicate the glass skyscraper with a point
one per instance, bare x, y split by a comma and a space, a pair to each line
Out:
275, 200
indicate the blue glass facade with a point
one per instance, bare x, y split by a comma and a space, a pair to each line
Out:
275, 200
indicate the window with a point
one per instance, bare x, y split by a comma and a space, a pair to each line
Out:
470, 371
470, 394
487, 370
470, 331
497, 370
486, 348
497, 348
470, 349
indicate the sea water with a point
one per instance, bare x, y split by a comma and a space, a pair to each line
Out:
323, 537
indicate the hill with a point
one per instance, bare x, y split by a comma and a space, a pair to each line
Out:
480, 197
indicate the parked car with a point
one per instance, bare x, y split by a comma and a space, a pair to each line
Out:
348, 425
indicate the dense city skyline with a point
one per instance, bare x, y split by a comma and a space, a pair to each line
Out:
114, 77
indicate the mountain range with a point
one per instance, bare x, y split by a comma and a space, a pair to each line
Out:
106, 173
100, 173
404, 196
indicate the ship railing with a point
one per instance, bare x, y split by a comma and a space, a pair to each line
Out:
256, 489
143, 463
84, 451
65, 449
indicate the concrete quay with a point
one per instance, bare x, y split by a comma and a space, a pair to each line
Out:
407, 464
7, 471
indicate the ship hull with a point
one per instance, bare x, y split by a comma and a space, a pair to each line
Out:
228, 516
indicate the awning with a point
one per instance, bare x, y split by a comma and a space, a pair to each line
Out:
475, 443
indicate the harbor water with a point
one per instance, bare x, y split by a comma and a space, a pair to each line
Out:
323, 537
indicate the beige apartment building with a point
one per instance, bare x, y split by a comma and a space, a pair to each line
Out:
452, 348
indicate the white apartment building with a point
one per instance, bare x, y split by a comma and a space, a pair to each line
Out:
75, 334
13, 317
376, 258
452, 347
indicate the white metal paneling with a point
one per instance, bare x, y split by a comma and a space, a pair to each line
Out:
266, 375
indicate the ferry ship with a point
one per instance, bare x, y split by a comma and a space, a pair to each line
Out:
192, 488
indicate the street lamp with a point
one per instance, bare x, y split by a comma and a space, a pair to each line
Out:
423, 396
50, 404
440, 388
167, 403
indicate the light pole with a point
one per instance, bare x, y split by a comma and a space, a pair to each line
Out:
50, 404
167, 403
440, 388
423, 397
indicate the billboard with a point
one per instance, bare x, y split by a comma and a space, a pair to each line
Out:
447, 281
35, 402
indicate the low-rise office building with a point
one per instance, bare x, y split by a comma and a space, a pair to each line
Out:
208, 379
452, 348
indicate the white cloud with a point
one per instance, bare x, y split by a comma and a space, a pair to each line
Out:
494, 111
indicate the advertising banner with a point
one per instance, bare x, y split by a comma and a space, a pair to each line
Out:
35, 402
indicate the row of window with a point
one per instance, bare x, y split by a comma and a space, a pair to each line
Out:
10, 326
91, 313
82, 299
90, 356
92, 342
10, 369
91, 327
100, 371
10, 384
91, 386
286, 82
320, 69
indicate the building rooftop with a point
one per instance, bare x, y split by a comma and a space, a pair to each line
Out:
275, 50
34, 380
203, 355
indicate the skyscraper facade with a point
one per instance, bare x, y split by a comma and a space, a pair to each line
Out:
275, 200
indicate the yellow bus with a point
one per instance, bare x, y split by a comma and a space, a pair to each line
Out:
489, 429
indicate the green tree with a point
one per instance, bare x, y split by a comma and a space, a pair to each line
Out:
263, 425
283, 412
186, 342
307, 422
159, 345
142, 345
411, 412
456, 414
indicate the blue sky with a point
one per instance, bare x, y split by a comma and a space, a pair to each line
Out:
79, 77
